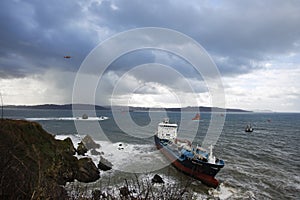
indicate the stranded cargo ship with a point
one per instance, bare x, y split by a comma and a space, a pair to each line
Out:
191, 160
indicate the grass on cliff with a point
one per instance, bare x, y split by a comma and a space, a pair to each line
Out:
31, 160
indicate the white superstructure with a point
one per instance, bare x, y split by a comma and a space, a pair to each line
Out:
166, 130
211, 158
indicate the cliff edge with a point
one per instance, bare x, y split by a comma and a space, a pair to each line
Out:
34, 165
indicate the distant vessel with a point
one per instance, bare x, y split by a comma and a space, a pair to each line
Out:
249, 128
85, 116
197, 117
191, 160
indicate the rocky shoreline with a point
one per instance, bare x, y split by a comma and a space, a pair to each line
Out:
36, 165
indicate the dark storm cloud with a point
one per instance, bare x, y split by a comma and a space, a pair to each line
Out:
145, 56
242, 31
35, 35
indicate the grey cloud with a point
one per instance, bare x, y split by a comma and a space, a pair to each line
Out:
243, 31
133, 59
35, 35
42, 33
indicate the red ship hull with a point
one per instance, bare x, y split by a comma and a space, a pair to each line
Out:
203, 173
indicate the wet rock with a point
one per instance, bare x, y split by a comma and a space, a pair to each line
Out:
86, 144
87, 171
124, 191
121, 146
69, 148
95, 152
96, 194
157, 179
104, 164
81, 149
89, 143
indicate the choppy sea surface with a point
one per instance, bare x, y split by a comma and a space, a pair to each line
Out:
264, 164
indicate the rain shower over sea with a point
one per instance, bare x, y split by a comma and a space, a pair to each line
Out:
264, 164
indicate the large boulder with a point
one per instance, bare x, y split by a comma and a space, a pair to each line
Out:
69, 148
81, 149
86, 144
87, 171
94, 152
104, 164
124, 191
89, 143
157, 179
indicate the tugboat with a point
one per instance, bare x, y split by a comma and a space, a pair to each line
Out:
85, 116
191, 160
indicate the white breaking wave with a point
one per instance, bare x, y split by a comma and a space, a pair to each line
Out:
125, 157
68, 118
222, 192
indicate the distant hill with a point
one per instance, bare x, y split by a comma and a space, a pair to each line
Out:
123, 108
185, 109
209, 109
60, 107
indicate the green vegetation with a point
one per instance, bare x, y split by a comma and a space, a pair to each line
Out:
34, 165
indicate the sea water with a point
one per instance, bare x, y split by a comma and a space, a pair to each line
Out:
264, 164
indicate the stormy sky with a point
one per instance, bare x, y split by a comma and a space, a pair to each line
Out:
255, 45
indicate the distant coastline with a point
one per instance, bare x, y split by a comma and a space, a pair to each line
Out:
59, 107
123, 108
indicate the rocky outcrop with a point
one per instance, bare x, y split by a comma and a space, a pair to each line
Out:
94, 152
81, 149
87, 171
68, 143
89, 143
34, 165
86, 144
120, 146
157, 179
124, 191
104, 164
